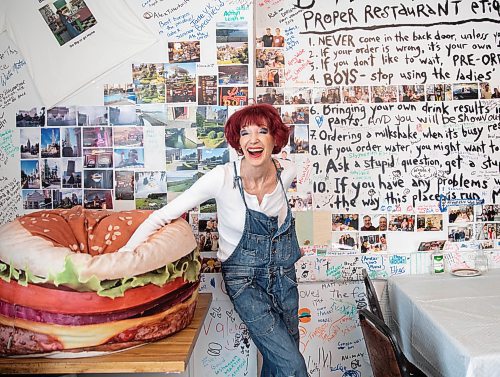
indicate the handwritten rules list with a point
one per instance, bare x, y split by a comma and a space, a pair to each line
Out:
402, 100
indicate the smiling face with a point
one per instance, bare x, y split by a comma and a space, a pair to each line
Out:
256, 143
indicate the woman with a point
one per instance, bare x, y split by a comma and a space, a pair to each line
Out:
66, 22
257, 242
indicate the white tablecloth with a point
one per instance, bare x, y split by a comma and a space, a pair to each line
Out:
448, 325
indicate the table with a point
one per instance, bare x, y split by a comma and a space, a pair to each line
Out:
449, 326
169, 355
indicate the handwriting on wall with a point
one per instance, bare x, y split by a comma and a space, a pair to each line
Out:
225, 348
402, 100
15, 89
405, 154
331, 340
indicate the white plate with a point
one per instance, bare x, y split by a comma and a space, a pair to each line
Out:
466, 272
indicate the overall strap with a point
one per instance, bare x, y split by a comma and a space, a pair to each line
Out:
237, 181
279, 169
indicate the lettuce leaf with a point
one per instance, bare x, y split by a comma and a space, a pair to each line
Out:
188, 266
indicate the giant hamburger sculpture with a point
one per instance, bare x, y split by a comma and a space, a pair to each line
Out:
64, 290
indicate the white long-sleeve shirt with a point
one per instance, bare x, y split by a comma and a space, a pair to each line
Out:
219, 184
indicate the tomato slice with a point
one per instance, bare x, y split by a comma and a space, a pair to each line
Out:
72, 302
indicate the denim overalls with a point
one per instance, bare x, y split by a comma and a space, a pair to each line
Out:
260, 281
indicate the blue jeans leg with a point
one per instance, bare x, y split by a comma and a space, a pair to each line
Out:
275, 339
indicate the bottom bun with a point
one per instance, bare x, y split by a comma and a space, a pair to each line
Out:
21, 337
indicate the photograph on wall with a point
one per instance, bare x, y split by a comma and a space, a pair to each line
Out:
345, 241
60, 116
211, 157
36, 199
299, 139
460, 233
98, 179
51, 173
174, 159
97, 137
128, 157
384, 93
231, 32
193, 219
208, 240
128, 137
402, 222
233, 95
67, 19
208, 206
122, 115
439, 92
374, 223
67, 198
326, 95
152, 114
184, 52
487, 212
72, 172
180, 81
460, 214
269, 58
150, 93
119, 94
487, 231
233, 75
431, 245
298, 96
345, 221
71, 141
373, 243
34, 117
355, 94
30, 174
211, 135
124, 185
50, 142
232, 53
210, 122
181, 180
465, 91
152, 201
489, 90
430, 222
91, 116
97, 199
301, 201
182, 138
181, 116
411, 93
272, 96
269, 77
207, 222
210, 264
148, 73
98, 158
298, 114
29, 140
207, 90
149, 182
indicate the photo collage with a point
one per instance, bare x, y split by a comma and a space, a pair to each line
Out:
368, 233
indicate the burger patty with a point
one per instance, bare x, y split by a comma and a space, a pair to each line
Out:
19, 341
158, 305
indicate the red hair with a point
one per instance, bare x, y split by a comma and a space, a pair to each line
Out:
261, 114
